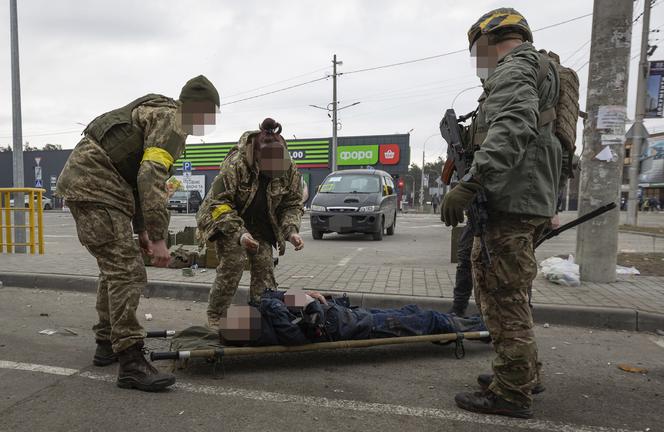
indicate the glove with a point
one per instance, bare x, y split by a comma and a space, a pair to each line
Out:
457, 200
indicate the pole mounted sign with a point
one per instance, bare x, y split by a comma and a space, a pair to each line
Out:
655, 95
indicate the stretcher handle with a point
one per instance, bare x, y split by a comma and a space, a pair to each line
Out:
172, 355
160, 333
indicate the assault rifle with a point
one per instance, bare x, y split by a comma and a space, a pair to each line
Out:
458, 160
593, 214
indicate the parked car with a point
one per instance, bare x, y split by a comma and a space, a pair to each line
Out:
46, 201
355, 201
179, 201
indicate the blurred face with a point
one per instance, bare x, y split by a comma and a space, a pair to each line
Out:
198, 117
485, 57
297, 298
271, 159
241, 324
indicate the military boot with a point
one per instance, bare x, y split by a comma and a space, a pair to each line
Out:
487, 402
104, 354
136, 372
484, 380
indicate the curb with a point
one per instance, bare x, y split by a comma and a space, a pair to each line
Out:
568, 315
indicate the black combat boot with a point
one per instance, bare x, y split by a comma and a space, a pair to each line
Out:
484, 380
486, 402
104, 354
136, 372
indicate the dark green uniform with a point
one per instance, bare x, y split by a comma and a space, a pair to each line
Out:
518, 163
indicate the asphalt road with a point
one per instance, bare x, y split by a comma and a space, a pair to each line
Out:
49, 383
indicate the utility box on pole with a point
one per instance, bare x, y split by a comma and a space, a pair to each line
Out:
602, 158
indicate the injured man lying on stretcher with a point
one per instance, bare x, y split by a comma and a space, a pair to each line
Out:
296, 317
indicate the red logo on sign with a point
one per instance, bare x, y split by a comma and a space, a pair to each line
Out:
389, 154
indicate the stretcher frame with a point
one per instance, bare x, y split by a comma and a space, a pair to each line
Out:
220, 353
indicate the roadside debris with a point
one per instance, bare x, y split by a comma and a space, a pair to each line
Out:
660, 332
188, 271
547, 325
632, 369
48, 332
566, 272
561, 271
70, 331
44, 314
148, 317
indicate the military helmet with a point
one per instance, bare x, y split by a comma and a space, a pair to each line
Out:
499, 21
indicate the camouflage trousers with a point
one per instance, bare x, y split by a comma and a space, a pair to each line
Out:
501, 293
107, 234
232, 261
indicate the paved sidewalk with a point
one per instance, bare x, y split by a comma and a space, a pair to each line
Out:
634, 292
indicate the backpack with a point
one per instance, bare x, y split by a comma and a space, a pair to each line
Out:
566, 112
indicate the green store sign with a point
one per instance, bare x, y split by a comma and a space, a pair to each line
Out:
357, 155
208, 156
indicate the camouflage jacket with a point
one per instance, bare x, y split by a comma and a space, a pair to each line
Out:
518, 162
90, 176
234, 189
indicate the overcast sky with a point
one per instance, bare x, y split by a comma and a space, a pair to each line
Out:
81, 58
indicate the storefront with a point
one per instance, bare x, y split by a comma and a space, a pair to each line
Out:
390, 153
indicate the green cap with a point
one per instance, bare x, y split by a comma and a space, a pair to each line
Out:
200, 88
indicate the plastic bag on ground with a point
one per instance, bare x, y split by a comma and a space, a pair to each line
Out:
627, 270
561, 271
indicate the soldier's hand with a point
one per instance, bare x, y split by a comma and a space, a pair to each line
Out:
456, 201
144, 243
160, 254
296, 240
555, 221
249, 243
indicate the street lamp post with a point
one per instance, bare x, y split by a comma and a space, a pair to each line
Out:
424, 146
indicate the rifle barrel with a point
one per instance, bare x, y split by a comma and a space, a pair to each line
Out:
578, 221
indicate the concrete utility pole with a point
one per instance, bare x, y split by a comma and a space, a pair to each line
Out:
639, 130
422, 185
17, 132
602, 158
333, 160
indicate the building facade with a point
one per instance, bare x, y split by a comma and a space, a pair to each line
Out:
390, 153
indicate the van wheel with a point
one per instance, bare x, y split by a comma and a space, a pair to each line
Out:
47, 207
390, 230
379, 235
317, 235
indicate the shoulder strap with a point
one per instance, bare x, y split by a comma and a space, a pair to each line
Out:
548, 115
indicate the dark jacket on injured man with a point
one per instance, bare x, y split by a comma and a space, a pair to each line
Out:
338, 320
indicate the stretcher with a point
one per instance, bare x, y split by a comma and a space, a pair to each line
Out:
213, 351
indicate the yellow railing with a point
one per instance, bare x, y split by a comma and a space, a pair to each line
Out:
6, 226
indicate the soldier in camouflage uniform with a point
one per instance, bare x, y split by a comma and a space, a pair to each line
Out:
519, 166
115, 179
254, 204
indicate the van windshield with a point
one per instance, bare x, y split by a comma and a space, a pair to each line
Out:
180, 195
351, 183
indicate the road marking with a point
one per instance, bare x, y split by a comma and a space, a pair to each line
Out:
345, 260
53, 370
335, 404
658, 341
58, 236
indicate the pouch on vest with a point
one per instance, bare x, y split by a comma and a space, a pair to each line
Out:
566, 111
120, 138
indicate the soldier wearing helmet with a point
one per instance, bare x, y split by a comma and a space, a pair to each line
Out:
517, 163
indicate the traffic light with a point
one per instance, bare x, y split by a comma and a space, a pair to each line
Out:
400, 184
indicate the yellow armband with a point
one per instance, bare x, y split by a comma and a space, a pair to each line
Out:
220, 210
158, 155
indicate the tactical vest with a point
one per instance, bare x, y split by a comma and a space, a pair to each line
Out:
122, 141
